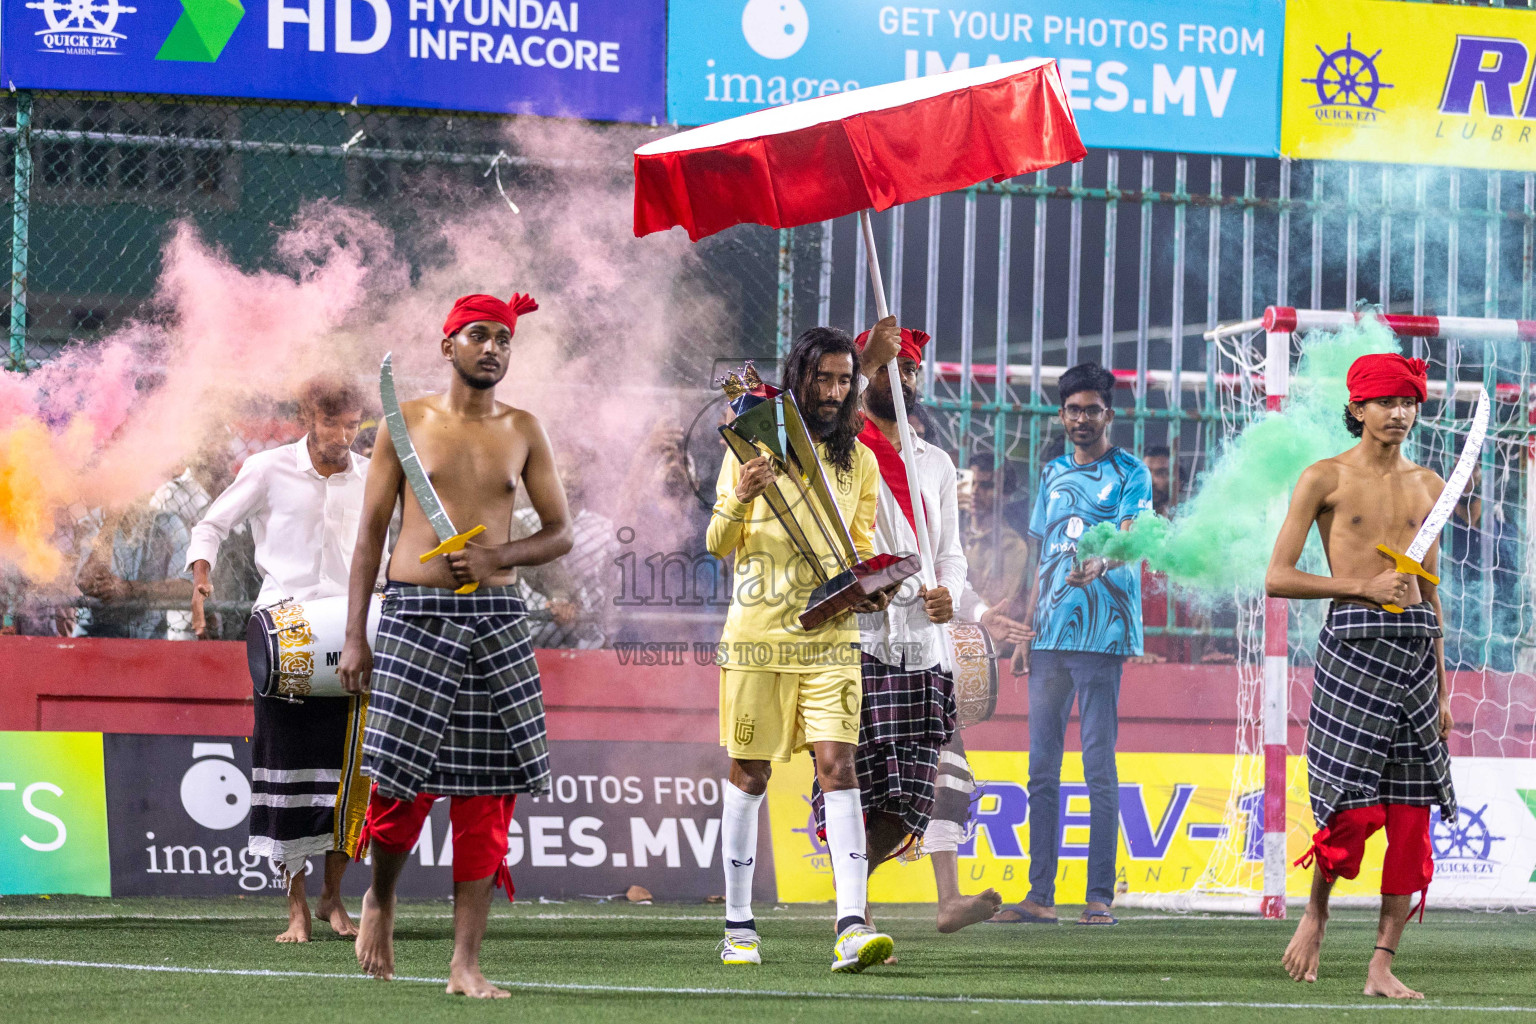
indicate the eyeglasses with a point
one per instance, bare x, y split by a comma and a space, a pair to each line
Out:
1079, 412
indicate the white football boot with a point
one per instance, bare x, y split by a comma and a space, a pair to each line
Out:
740, 946
859, 947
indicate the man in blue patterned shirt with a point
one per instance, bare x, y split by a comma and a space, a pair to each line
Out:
1086, 619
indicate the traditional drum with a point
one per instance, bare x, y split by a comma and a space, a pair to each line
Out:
294, 647
975, 667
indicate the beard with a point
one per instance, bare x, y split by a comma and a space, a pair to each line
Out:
822, 420
881, 405
821, 424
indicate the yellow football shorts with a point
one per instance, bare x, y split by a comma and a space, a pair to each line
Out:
768, 716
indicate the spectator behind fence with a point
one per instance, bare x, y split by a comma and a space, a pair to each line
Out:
575, 589
367, 437
136, 556
1155, 595
995, 552
920, 418
671, 588
1160, 464
1157, 647
1086, 622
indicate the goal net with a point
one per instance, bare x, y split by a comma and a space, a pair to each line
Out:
1487, 857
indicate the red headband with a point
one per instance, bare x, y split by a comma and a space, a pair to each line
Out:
912, 342
469, 308
1387, 375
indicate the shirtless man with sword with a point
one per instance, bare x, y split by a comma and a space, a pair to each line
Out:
1380, 716
456, 709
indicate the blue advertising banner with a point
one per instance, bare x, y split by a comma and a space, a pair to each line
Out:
598, 59
1199, 77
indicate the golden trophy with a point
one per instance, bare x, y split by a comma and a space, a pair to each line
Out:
768, 422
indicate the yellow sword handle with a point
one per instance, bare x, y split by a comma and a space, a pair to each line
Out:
456, 543
1408, 567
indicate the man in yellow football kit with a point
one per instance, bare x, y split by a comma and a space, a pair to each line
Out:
782, 688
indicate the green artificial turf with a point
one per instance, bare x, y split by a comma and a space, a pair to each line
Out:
659, 964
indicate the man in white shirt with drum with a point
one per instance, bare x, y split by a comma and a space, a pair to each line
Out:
303, 502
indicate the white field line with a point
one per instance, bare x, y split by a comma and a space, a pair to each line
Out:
616, 915
550, 986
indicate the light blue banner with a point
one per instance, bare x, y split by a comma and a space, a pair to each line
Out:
1200, 77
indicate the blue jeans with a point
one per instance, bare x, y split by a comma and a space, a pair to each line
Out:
1054, 678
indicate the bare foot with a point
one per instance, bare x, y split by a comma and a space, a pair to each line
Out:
1380, 981
1026, 911
968, 910
468, 981
376, 938
334, 914
298, 922
1305, 950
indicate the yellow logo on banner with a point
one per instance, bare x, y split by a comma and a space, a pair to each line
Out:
1172, 811
1373, 80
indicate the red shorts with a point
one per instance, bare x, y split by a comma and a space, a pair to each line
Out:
1409, 863
480, 825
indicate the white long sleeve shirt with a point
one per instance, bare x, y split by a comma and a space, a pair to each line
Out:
903, 633
304, 524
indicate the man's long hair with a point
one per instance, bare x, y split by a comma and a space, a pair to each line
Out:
800, 368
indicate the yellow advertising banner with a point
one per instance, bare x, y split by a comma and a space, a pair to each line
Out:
1172, 809
1412, 84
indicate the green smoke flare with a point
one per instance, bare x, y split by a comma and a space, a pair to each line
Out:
1220, 539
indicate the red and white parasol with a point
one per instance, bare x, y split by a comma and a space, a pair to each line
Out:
850, 152
866, 149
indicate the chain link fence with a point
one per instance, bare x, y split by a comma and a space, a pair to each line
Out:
1126, 258
95, 183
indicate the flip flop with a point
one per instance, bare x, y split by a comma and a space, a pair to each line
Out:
1025, 917
1089, 915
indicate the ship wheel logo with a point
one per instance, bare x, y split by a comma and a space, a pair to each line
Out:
1467, 838
1348, 77
98, 17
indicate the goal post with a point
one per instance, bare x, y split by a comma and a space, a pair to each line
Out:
1281, 325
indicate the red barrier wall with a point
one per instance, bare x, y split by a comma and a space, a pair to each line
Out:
159, 686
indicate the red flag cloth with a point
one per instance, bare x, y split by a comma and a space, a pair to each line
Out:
469, 308
912, 342
868, 148
892, 470
1387, 375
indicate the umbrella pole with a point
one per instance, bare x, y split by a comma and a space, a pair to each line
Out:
904, 429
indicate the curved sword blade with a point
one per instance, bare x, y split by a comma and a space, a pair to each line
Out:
1429, 532
410, 464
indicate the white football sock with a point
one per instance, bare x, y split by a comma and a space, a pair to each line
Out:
845, 844
738, 849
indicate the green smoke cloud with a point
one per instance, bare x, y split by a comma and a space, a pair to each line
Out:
1221, 538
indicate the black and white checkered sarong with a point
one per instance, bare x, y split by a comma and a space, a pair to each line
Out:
456, 707
1373, 735
906, 716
